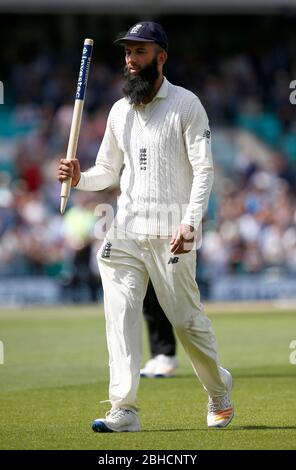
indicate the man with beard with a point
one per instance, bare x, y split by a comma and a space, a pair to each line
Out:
159, 134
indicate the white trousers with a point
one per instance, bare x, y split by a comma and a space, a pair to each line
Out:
125, 267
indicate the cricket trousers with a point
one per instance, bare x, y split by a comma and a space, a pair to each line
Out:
125, 267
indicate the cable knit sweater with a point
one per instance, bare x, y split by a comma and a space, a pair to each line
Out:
164, 148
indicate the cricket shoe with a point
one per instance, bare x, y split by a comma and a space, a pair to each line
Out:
117, 420
160, 366
148, 370
220, 409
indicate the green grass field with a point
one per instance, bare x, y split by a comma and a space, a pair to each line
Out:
55, 373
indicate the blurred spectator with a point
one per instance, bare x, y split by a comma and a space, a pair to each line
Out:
252, 211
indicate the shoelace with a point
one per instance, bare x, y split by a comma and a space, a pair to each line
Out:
219, 403
117, 413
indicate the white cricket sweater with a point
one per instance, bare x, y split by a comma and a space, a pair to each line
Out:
164, 148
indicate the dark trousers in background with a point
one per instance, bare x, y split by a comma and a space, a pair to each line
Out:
160, 331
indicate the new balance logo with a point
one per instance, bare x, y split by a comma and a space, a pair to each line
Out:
106, 251
173, 260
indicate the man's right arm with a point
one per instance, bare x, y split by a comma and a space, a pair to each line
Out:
106, 171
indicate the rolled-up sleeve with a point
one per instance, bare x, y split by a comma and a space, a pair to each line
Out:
108, 164
197, 139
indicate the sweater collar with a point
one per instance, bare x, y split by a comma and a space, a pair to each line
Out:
163, 90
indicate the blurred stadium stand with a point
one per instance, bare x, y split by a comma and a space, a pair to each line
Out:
239, 65
156, 6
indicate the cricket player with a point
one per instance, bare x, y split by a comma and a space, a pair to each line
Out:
158, 139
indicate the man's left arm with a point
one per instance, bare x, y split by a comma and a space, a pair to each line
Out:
197, 139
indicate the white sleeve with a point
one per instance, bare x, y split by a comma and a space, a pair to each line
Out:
108, 164
197, 138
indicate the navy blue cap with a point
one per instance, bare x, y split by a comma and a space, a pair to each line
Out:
145, 31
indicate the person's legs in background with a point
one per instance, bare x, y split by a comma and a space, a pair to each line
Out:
162, 342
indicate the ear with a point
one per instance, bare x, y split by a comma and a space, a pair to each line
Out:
162, 57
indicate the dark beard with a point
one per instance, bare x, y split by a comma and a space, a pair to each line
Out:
137, 88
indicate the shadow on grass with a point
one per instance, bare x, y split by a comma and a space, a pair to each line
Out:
231, 428
248, 375
262, 427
